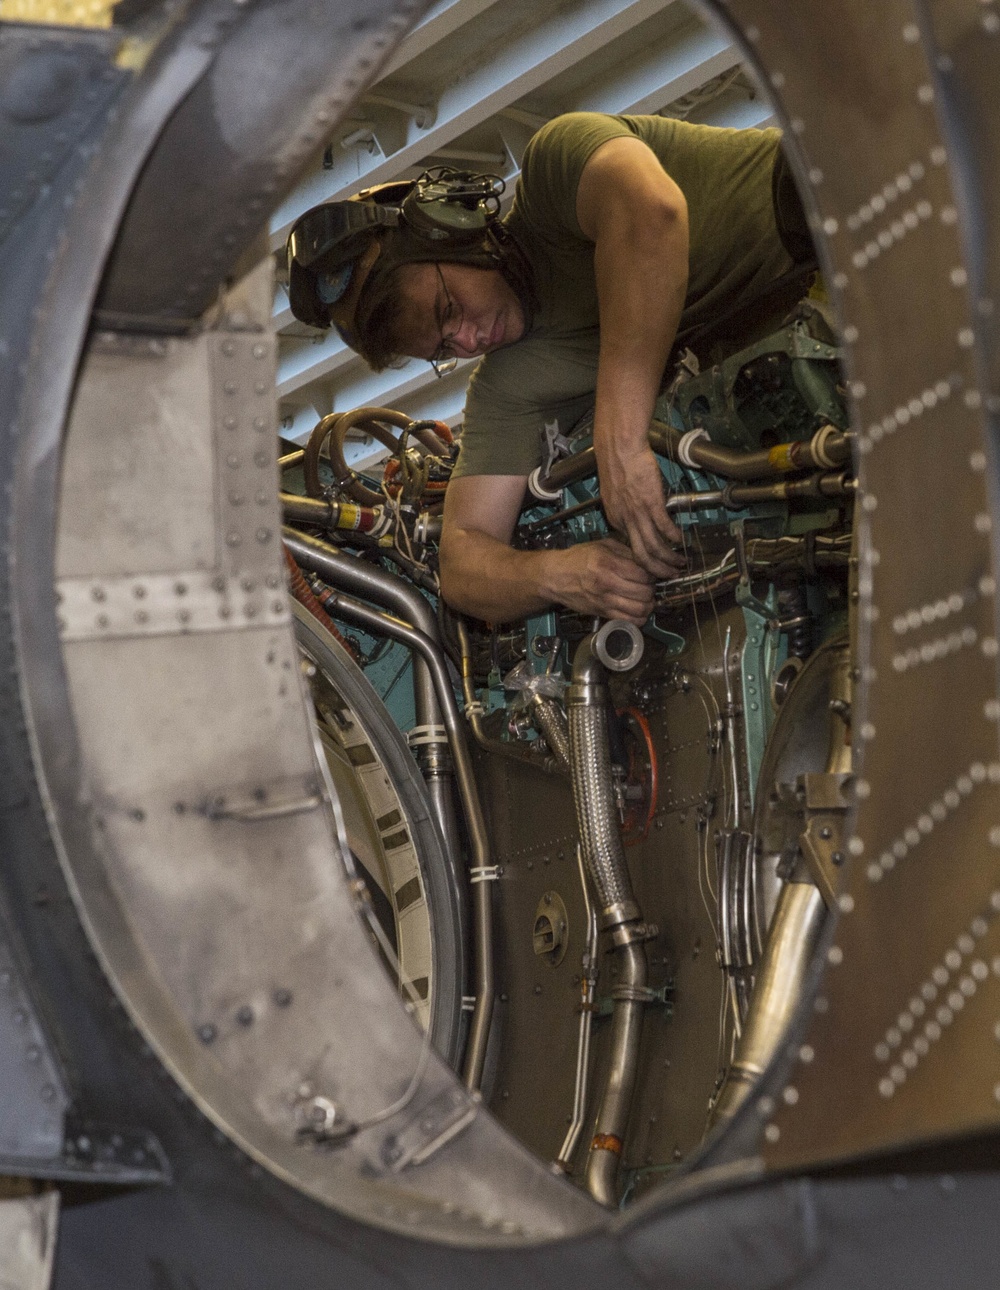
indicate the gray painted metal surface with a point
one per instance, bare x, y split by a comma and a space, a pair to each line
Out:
34, 1090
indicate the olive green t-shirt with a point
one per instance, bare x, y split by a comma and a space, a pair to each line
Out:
550, 374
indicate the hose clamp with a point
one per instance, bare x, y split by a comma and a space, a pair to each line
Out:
632, 932
586, 694
686, 443
538, 490
622, 920
634, 994
485, 873
819, 441
422, 735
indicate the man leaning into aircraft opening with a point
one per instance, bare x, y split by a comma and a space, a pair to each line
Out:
622, 231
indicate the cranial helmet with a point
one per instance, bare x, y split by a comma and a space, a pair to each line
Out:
335, 249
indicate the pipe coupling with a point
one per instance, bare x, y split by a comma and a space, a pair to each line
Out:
586, 694
620, 914
618, 645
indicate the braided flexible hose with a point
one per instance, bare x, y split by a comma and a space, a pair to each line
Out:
593, 795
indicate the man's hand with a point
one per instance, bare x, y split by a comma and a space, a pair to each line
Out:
482, 575
601, 578
632, 495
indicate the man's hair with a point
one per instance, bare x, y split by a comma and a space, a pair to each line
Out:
377, 322
381, 311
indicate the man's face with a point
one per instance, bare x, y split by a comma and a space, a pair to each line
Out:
456, 309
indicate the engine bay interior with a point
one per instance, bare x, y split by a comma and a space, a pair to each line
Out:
641, 862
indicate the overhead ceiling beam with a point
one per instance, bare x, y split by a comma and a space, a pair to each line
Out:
526, 64
437, 24
662, 75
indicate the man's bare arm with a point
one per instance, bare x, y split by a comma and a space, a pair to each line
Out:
482, 575
637, 218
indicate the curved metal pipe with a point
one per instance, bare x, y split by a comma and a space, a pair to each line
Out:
794, 933
795, 928
480, 870
604, 857
616, 1102
333, 430
588, 983
521, 752
827, 448
347, 573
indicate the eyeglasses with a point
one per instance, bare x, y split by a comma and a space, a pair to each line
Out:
442, 361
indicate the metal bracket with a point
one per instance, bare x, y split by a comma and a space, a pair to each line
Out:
663, 995
441, 1120
744, 593
269, 801
35, 1096
98, 1153
486, 873
820, 801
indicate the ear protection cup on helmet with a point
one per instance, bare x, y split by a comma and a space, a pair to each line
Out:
443, 212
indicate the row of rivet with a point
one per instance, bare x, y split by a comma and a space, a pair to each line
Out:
932, 651
935, 813
933, 611
915, 407
187, 607
184, 617
938, 979
887, 237
877, 203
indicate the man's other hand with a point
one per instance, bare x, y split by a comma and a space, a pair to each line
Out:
632, 495
602, 578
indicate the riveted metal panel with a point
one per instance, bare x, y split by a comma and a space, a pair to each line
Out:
909, 972
35, 1096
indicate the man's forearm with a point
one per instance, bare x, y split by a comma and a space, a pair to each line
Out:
488, 579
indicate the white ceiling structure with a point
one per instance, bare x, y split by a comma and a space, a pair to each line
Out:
468, 87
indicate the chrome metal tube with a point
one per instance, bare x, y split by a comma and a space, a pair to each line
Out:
347, 573
795, 929
618, 911
480, 870
792, 937
616, 1103
588, 984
